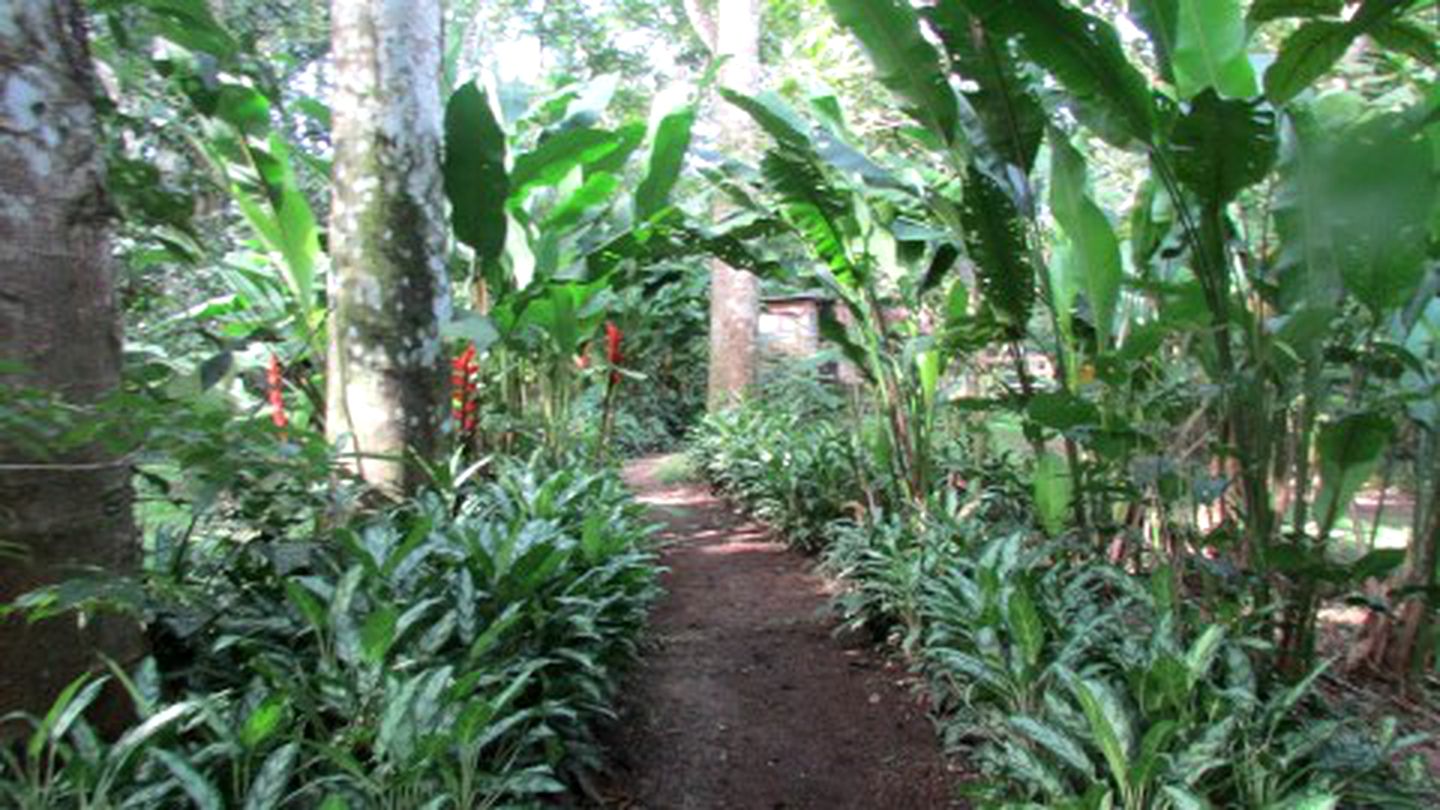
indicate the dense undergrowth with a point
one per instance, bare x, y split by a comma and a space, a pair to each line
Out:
456, 650
790, 466
1071, 680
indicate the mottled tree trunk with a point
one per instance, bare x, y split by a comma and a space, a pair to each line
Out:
733, 32
389, 291
59, 321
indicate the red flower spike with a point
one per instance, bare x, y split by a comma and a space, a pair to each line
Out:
613, 354
463, 403
612, 343
275, 392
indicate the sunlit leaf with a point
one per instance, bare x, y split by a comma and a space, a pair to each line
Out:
1210, 50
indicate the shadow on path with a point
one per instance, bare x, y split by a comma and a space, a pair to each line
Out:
746, 699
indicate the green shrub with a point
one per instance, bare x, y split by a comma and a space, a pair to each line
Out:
794, 471
1080, 685
787, 455
457, 650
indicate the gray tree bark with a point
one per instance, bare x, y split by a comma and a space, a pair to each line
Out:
389, 292
59, 321
733, 31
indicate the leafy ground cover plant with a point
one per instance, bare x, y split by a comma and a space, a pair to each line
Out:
1072, 681
784, 458
457, 650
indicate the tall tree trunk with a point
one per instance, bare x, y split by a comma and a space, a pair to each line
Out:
732, 32
389, 290
59, 322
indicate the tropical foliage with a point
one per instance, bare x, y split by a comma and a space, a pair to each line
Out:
459, 649
1130, 337
1127, 269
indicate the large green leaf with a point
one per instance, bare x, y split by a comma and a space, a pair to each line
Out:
1350, 449
378, 633
1266, 10
557, 312
550, 162
1056, 742
1309, 270
1025, 625
1223, 147
827, 145
774, 116
1084, 53
270, 786
1412, 39
631, 136
1109, 723
1381, 198
1305, 56
905, 61
282, 216
201, 792
190, 24
929, 365
815, 209
1054, 492
475, 179
1316, 46
592, 195
1152, 218
1210, 50
1008, 121
995, 242
1062, 411
669, 141
1160, 20
1095, 258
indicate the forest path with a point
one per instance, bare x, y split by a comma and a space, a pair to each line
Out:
745, 698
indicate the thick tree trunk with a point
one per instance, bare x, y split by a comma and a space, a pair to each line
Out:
389, 290
59, 322
734, 294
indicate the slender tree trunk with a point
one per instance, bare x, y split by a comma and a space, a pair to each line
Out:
1399, 645
732, 32
389, 290
59, 321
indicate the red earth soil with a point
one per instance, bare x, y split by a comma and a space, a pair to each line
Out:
746, 698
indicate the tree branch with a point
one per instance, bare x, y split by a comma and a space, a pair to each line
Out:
703, 21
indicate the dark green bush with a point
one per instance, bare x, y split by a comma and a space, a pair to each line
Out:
455, 651
1077, 684
786, 459
1072, 682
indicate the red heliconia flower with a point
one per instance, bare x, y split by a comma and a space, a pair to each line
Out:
612, 350
612, 343
464, 406
275, 392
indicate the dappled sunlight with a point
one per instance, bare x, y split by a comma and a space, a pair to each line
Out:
733, 547
724, 535
1344, 618
684, 496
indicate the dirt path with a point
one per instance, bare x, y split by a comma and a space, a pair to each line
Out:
746, 699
